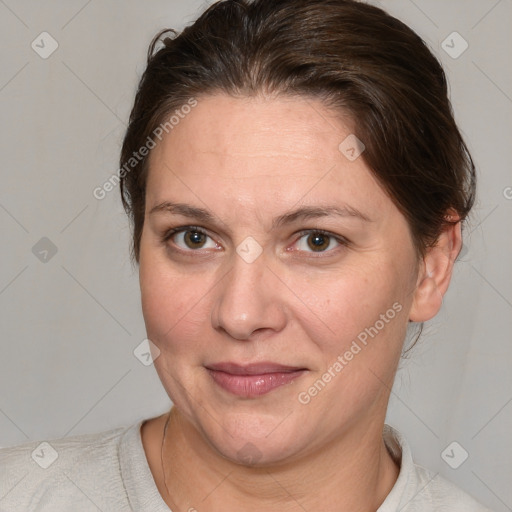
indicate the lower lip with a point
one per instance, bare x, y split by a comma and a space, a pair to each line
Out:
250, 386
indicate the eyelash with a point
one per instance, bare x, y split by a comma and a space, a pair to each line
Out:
342, 241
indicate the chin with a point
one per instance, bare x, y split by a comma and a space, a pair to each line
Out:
254, 438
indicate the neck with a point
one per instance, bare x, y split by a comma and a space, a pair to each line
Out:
351, 473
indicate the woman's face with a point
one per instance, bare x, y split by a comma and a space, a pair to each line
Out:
249, 279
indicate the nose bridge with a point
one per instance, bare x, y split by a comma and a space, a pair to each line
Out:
245, 301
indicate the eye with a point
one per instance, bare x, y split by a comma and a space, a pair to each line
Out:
189, 238
318, 241
193, 238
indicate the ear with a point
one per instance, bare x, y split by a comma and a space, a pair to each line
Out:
435, 273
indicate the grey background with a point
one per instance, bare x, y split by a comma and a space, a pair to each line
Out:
69, 325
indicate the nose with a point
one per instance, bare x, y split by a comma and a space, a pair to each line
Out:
249, 301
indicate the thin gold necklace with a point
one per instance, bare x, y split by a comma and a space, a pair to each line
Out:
162, 452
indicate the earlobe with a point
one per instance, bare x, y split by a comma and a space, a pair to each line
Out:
427, 300
435, 273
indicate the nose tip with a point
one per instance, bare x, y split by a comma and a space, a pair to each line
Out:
247, 302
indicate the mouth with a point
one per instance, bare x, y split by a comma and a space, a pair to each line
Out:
253, 380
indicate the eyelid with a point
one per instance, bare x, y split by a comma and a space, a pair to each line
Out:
169, 232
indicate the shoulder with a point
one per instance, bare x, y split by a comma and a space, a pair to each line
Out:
82, 469
443, 495
418, 489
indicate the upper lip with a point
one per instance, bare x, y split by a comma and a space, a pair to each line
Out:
253, 368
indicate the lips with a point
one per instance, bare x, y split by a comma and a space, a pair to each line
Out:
253, 369
253, 380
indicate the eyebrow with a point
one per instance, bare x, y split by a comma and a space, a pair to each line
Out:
302, 213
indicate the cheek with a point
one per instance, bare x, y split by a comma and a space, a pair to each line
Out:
353, 298
161, 304
363, 313
174, 305
358, 354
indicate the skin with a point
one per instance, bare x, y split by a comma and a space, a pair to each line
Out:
247, 161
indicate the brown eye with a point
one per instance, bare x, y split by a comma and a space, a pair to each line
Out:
194, 239
190, 239
317, 241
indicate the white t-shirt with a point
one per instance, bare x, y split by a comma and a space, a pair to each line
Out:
109, 472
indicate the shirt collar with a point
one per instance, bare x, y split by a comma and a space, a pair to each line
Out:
138, 480
406, 485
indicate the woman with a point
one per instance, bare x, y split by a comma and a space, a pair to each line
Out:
297, 186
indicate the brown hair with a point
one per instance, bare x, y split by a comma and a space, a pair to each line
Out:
355, 57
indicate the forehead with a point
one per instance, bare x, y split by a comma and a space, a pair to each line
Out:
256, 127
254, 149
